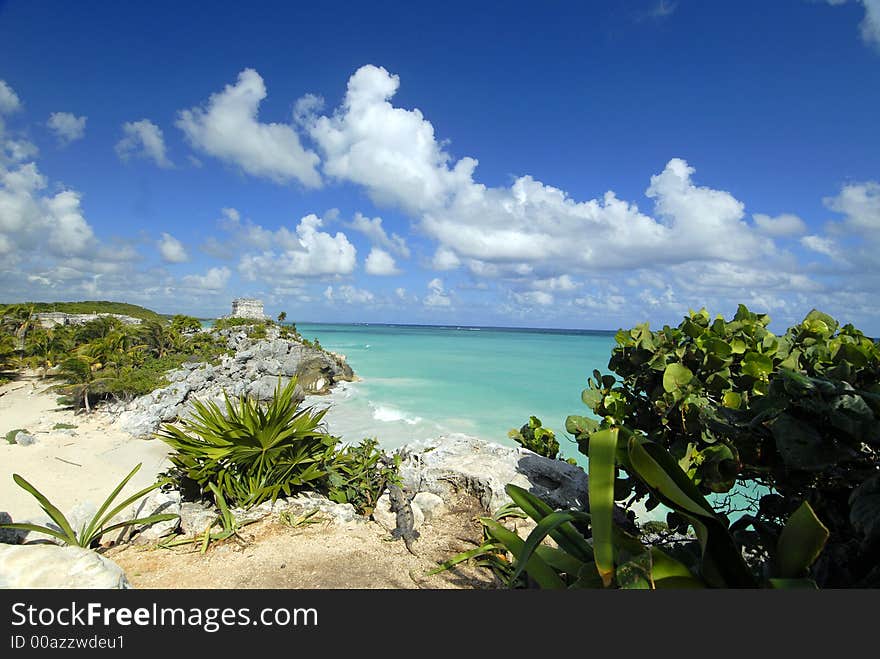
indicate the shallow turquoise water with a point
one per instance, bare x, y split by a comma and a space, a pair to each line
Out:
418, 382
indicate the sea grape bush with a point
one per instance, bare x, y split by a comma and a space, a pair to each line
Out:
732, 402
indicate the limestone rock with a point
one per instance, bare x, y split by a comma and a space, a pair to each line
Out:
195, 517
51, 566
156, 502
431, 505
24, 439
383, 514
460, 462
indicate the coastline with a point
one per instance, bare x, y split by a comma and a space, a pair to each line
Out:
71, 466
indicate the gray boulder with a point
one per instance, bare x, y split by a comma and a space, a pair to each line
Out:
51, 566
195, 517
455, 462
10, 536
431, 505
24, 439
156, 502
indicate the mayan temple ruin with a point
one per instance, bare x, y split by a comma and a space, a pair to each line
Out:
247, 307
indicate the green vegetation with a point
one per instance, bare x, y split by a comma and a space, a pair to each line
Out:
534, 437
359, 474
703, 409
251, 454
10, 436
88, 306
103, 358
64, 426
90, 534
229, 527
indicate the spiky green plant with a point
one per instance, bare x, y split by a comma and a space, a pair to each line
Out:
251, 453
90, 532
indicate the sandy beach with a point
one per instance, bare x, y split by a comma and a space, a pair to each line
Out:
70, 466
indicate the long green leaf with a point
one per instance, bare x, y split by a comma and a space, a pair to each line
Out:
566, 535
56, 515
541, 531
39, 529
152, 519
603, 448
482, 550
800, 542
542, 573
96, 520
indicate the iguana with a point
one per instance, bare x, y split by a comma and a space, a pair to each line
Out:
400, 504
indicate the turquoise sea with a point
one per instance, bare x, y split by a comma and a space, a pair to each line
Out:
418, 382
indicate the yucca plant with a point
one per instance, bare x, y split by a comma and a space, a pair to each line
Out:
252, 453
90, 533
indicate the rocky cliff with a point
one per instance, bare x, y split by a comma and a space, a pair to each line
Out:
253, 368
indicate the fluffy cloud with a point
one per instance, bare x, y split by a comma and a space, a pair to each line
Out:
171, 249
306, 253
437, 295
381, 263
869, 28
31, 220
67, 127
541, 298
215, 279
393, 152
143, 139
348, 295
784, 225
228, 128
860, 205
390, 151
373, 229
9, 101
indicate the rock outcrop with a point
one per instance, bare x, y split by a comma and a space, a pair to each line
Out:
51, 566
254, 368
456, 462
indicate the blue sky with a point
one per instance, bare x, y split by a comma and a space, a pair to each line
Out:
565, 164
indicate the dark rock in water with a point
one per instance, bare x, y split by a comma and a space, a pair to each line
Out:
255, 369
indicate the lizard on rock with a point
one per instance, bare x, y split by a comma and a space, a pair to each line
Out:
405, 520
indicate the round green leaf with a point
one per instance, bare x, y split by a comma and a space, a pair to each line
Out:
676, 376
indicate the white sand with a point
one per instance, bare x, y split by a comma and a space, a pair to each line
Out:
103, 455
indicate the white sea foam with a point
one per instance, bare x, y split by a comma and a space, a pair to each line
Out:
387, 414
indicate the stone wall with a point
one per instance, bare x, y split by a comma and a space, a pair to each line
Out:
244, 307
55, 318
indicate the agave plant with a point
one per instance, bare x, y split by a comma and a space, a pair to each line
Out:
90, 533
252, 454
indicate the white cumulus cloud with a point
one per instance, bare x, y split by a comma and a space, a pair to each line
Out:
780, 226
67, 127
143, 139
9, 101
348, 295
373, 229
215, 279
171, 249
381, 263
307, 252
437, 295
228, 128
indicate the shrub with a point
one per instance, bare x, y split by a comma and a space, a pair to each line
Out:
359, 474
733, 403
534, 437
252, 454
91, 532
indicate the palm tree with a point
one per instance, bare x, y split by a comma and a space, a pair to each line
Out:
20, 319
80, 372
158, 337
282, 316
